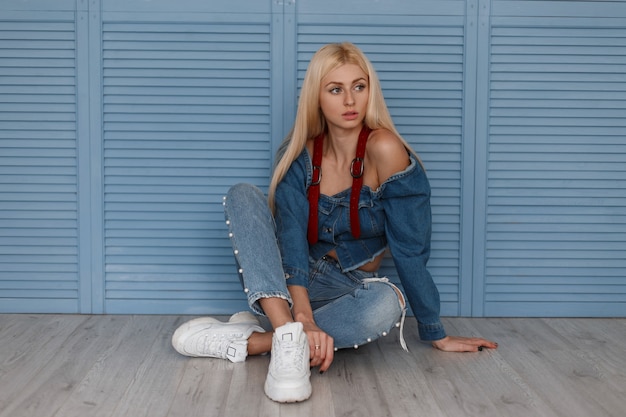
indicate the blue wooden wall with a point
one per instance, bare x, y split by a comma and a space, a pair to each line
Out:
124, 122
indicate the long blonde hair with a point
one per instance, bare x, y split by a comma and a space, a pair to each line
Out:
310, 121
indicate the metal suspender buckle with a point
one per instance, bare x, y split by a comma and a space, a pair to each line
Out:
356, 167
317, 175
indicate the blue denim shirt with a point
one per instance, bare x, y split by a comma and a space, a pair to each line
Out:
396, 216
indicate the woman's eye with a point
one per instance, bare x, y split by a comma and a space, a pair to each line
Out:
335, 90
359, 87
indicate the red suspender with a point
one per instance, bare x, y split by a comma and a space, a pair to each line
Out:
356, 170
314, 189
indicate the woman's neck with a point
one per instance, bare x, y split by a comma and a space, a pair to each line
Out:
341, 145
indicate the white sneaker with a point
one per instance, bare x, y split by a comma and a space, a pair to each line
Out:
288, 378
209, 337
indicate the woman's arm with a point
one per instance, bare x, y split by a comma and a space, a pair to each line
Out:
291, 217
407, 202
321, 344
405, 195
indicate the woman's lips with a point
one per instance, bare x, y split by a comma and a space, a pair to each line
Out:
350, 115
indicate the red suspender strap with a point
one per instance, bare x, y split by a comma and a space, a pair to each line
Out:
314, 189
356, 170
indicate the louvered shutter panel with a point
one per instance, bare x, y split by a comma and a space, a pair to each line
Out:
124, 122
556, 217
419, 60
186, 115
38, 162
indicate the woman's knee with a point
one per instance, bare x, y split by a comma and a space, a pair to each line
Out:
244, 192
385, 305
246, 203
376, 311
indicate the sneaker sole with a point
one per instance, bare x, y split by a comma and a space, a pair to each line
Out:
287, 393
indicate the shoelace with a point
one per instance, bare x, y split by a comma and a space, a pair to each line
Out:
217, 345
402, 302
291, 356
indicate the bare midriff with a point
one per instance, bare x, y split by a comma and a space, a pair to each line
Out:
371, 266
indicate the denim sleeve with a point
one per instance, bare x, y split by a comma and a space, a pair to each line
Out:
406, 201
292, 216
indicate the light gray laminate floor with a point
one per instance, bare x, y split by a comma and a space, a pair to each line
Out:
90, 366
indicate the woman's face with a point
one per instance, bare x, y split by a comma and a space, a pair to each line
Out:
344, 93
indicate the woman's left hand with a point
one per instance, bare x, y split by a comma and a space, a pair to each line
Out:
463, 344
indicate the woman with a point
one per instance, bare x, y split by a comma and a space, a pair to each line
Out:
346, 188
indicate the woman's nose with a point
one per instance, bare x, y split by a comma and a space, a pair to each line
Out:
349, 100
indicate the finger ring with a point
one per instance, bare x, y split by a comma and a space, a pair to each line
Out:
317, 347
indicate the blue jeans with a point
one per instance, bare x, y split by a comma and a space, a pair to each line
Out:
353, 308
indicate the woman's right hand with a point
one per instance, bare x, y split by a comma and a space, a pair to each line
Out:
322, 346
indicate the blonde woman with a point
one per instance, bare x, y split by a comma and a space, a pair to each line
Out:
346, 188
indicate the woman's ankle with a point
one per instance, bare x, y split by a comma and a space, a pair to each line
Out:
260, 343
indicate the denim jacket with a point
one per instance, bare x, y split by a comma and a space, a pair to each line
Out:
396, 216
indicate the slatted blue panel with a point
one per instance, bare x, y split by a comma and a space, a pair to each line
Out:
419, 60
556, 217
38, 163
186, 115
114, 160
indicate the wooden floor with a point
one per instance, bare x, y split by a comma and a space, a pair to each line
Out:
91, 366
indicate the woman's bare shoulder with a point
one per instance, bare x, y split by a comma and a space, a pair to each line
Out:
387, 152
